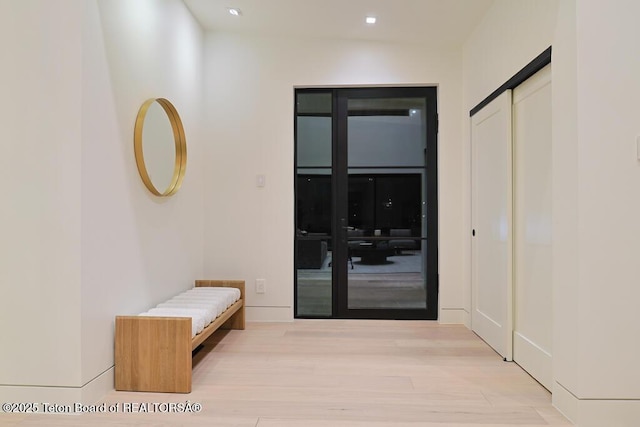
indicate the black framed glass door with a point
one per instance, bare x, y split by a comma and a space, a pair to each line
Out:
366, 203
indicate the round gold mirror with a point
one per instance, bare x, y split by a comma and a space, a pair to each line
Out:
160, 147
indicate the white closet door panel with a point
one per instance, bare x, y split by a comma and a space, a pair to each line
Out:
491, 316
532, 226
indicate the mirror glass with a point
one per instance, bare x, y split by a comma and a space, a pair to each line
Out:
160, 147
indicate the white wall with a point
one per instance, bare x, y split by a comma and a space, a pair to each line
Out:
137, 249
596, 176
84, 240
250, 96
40, 247
565, 181
609, 207
511, 34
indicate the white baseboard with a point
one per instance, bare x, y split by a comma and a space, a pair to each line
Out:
90, 393
96, 389
268, 314
565, 402
596, 412
452, 316
533, 359
39, 394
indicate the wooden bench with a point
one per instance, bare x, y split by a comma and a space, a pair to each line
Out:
154, 353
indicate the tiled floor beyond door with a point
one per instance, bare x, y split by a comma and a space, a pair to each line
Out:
351, 373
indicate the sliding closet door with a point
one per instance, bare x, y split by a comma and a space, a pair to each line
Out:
532, 333
491, 163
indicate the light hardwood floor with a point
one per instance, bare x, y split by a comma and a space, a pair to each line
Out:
342, 373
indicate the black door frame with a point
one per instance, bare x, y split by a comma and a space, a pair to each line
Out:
340, 97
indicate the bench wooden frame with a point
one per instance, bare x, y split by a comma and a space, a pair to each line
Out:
154, 353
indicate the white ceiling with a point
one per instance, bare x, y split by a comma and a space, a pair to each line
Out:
435, 23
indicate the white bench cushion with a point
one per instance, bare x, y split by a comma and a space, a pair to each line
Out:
231, 294
202, 304
210, 310
197, 316
217, 303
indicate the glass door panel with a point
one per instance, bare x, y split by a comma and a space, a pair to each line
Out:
314, 135
386, 139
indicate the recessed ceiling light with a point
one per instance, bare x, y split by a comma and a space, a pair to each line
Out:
235, 12
370, 19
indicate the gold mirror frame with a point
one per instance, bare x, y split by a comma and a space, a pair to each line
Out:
179, 139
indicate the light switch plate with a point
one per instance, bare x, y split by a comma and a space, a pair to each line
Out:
260, 180
261, 286
638, 147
